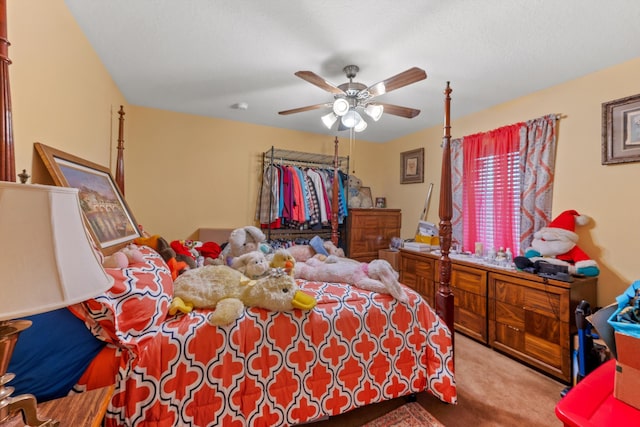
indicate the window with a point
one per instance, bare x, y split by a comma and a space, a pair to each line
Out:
491, 189
503, 184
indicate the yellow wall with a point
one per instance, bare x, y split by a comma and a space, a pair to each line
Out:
204, 172
62, 95
208, 170
605, 193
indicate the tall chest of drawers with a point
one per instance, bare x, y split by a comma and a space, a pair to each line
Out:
369, 230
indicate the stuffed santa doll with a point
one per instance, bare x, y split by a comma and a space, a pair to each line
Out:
557, 244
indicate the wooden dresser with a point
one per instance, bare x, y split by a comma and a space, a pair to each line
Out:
526, 316
369, 230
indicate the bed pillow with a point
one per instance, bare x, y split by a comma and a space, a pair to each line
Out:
135, 306
52, 354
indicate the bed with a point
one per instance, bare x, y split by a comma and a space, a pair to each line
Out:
268, 368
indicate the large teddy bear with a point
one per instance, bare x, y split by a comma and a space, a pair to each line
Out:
229, 291
377, 275
356, 198
557, 244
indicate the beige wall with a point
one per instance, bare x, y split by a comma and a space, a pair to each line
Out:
208, 170
606, 193
62, 95
204, 172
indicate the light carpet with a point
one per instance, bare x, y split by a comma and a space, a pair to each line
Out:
409, 415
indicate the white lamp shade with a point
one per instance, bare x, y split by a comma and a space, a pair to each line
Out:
48, 261
341, 106
329, 120
360, 126
351, 119
374, 111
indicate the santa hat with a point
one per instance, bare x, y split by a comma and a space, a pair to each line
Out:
568, 220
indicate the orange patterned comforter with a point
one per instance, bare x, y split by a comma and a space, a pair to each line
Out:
354, 348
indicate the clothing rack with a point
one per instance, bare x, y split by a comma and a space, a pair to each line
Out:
298, 158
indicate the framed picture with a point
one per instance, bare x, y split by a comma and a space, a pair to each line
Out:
412, 166
621, 130
107, 215
365, 192
381, 202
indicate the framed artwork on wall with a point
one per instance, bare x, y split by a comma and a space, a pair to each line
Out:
106, 213
621, 130
412, 166
365, 193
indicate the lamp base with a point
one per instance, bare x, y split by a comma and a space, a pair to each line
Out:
9, 331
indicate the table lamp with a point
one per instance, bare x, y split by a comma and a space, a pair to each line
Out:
48, 262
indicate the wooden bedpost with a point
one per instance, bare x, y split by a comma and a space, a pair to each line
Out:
444, 297
336, 194
120, 158
7, 154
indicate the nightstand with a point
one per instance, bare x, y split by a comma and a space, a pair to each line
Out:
81, 409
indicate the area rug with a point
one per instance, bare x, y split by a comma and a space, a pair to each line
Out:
409, 415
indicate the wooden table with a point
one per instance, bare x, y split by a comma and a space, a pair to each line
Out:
81, 409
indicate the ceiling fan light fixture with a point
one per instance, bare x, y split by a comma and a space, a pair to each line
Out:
341, 107
329, 120
374, 111
360, 126
351, 119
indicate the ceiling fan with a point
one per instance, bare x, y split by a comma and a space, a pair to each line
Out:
351, 98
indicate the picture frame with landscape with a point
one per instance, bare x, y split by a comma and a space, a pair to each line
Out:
106, 213
621, 130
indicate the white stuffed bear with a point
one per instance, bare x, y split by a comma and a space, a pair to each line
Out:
229, 291
243, 240
253, 264
356, 198
377, 276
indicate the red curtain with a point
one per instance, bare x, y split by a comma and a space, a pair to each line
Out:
490, 172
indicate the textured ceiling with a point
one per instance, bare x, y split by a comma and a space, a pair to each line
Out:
202, 56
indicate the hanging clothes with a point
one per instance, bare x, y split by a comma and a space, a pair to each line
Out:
299, 198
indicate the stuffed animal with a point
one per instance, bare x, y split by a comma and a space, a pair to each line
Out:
243, 240
283, 259
357, 199
229, 291
123, 258
316, 248
377, 275
557, 244
162, 247
253, 264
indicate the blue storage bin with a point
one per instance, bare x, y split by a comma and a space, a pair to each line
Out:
623, 300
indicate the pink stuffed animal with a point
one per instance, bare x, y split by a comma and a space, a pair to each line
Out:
376, 276
123, 257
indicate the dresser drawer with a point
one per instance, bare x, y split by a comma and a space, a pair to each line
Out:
469, 279
546, 300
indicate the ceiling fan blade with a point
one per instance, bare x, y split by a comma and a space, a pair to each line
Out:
315, 79
405, 78
396, 110
307, 108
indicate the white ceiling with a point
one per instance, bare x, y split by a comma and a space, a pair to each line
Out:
202, 56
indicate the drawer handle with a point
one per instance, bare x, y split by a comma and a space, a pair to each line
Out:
514, 328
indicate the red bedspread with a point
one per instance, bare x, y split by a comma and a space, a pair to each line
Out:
354, 348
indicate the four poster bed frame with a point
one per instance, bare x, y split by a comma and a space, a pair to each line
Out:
444, 297
444, 302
